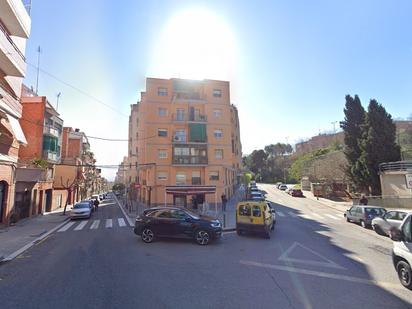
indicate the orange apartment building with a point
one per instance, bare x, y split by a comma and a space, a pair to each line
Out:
188, 148
15, 24
43, 128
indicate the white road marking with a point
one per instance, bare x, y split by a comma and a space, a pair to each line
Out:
325, 262
306, 217
324, 275
280, 213
332, 217
81, 225
109, 223
66, 227
121, 222
316, 215
95, 225
292, 214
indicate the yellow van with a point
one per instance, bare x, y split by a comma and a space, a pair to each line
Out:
254, 216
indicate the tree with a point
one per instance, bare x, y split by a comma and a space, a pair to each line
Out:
352, 128
378, 144
258, 161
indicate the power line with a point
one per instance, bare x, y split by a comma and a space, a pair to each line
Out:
77, 89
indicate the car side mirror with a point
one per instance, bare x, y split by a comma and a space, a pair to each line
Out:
396, 234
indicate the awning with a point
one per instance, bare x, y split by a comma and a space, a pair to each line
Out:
190, 190
18, 132
197, 132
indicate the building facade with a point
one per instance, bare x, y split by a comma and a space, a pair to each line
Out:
187, 136
318, 142
15, 26
43, 128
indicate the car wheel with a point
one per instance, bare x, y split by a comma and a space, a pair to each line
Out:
404, 274
147, 235
378, 230
202, 237
347, 219
363, 224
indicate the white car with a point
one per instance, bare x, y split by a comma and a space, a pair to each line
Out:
283, 187
402, 251
391, 219
81, 210
95, 197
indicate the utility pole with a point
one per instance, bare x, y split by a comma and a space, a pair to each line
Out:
334, 126
38, 69
58, 97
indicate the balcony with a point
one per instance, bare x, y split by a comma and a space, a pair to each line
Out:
51, 131
189, 160
15, 17
51, 156
11, 58
189, 118
400, 166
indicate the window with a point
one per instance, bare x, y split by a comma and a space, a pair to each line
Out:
180, 135
162, 112
217, 93
180, 114
162, 175
162, 154
244, 210
162, 92
196, 178
217, 133
182, 151
218, 153
407, 229
390, 215
256, 211
166, 214
213, 175
162, 132
179, 215
217, 113
180, 178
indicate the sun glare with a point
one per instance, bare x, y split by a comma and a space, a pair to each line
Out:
195, 44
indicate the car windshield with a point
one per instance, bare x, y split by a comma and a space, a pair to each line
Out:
81, 205
375, 211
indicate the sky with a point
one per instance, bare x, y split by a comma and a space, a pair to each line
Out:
290, 63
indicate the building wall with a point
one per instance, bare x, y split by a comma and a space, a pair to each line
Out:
319, 141
215, 112
393, 183
32, 122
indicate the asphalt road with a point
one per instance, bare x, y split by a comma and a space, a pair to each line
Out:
311, 261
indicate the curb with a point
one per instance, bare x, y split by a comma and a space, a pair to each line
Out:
129, 220
232, 229
32, 243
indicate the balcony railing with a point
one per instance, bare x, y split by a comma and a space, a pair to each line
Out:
2, 29
51, 156
396, 166
51, 131
189, 118
196, 160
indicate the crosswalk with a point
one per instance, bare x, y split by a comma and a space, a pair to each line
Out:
311, 216
93, 224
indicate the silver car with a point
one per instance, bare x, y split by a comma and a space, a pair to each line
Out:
364, 214
392, 219
81, 210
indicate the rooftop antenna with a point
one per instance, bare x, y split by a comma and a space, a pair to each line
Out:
57, 104
334, 124
38, 69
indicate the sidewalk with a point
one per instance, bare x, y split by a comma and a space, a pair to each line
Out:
16, 239
341, 206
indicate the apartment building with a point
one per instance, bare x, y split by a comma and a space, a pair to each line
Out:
15, 26
77, 176
131, 168
188, 142
43, 128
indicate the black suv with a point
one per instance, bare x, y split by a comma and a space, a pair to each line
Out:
176, 222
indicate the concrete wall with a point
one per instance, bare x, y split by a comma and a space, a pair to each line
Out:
388, 202
394, 183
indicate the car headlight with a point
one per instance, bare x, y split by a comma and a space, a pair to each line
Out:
215, 224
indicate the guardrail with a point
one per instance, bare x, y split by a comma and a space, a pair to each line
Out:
396, 166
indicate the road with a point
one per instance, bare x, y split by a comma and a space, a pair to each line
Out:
311, 261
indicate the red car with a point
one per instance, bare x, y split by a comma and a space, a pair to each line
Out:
297, 193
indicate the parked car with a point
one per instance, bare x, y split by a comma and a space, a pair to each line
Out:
95, 197
81, 210
254, 217
289, 190
176, 223
296, 193
277, 185
392, 219
256, 195
90, 201
283, 187
364, 214
402, 251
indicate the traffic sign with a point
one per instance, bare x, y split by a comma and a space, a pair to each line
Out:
408, 181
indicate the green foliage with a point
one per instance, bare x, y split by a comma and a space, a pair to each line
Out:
118, 187
40, 163
296, 168
246, 178
378, 144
